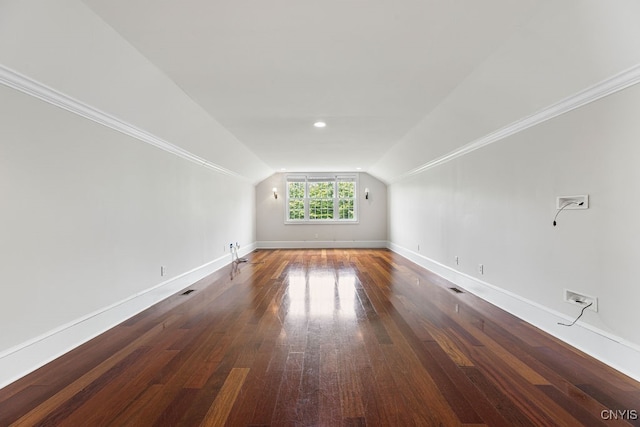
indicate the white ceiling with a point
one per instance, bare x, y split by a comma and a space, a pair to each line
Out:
266, 70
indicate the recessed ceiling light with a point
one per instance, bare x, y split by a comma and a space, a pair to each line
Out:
283, 169
358, 169
320, 124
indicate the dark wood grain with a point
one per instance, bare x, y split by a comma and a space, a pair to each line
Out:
326, 338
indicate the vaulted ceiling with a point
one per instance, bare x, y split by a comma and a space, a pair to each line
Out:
373, 70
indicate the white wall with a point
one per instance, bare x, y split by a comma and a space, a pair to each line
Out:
66, 46
370, 231
90, 214
496, 205
566, 47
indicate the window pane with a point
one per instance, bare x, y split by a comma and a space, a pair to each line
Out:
320, 209
296, 209
346, 209
346, 202
321, 190
321, 200
346, 190
296, 200
296, 190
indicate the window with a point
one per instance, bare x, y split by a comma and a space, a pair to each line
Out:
295, 196
321, 203
315, 198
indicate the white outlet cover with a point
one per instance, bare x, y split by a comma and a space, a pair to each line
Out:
563, 200
580, 299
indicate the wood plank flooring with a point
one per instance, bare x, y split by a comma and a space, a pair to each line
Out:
322, 338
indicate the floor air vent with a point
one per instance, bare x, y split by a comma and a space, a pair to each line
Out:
456, 290
188, 292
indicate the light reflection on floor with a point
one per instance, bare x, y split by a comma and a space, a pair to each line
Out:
321, 294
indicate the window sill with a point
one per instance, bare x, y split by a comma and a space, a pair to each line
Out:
320, 222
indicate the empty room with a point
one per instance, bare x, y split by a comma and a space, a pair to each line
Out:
319, 213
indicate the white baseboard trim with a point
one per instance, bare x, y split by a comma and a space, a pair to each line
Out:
20, 360
603, 346
320, 244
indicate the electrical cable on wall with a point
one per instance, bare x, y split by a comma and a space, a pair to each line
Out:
234, 254
562, 208
581, 313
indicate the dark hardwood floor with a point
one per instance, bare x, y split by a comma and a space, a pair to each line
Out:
326, 338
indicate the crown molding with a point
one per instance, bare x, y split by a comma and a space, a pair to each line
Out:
604, 88
22, 83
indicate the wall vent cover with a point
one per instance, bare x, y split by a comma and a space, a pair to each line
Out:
188, 292
456, 290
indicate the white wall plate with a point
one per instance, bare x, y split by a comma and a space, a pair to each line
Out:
563, 200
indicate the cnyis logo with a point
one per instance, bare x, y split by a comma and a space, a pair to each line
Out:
619, 414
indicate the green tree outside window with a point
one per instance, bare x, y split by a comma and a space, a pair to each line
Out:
314, 199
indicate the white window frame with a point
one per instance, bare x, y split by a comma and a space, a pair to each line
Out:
325, 177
